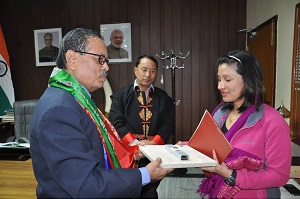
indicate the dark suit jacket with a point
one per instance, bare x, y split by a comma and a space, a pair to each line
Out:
124, 113
67, 153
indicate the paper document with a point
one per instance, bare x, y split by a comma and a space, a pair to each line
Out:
172, 160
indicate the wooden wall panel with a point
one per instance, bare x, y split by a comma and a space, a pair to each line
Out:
206, 28
197, 18
185, 80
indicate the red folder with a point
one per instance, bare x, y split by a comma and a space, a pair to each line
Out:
208, 136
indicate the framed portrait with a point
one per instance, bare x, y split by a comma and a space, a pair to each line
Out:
117, 38
46, 42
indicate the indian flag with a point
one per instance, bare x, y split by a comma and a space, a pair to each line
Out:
7, 96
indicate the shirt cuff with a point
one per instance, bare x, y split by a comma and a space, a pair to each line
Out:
145, 176
129, 137
158, 140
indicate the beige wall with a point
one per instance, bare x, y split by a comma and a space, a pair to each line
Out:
259, 11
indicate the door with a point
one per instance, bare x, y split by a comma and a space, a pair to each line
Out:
262, 42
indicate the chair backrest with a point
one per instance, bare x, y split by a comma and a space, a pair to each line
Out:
23, 111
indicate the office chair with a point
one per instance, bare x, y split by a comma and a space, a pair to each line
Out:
23, 111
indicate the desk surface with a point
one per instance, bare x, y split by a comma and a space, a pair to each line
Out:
17, 179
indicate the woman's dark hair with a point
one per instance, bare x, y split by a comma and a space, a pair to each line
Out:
75, 40
148, 57
251, 71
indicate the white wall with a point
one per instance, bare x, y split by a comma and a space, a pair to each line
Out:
259, 11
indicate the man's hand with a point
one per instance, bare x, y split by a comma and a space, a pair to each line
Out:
146, 142
142, 143
138, 155
155, 171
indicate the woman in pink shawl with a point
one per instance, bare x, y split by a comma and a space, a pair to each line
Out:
261, 158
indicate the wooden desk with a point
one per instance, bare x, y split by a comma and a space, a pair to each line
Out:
17, 179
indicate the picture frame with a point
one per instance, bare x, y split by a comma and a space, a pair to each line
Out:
114, 55
46, 56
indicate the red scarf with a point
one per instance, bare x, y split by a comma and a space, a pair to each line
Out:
124, 152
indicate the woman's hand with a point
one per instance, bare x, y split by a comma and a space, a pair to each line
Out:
220, 169
181, 143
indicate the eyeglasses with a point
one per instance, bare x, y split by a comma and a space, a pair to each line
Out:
101, 58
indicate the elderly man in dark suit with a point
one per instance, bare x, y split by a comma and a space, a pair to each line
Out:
72, 143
